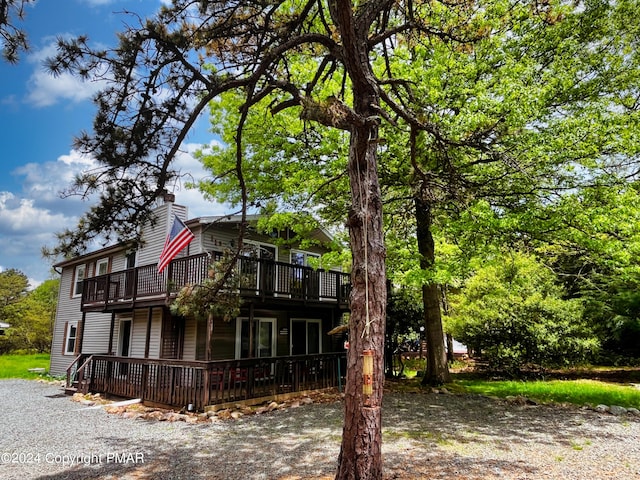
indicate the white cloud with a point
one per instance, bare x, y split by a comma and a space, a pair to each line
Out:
77, 158
23, 216
25, 227
37, 176
29, 219
44, 89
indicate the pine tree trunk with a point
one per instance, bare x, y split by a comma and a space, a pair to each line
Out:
361, 450
360, 453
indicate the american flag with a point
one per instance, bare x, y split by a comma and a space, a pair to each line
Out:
179, 237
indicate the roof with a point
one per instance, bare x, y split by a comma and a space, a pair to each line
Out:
322, 234
4, 325
94, 254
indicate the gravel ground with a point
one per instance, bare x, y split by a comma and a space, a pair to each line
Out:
45, 435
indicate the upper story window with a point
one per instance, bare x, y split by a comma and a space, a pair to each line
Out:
299, 257
78, 276
131, 259
264, 251
102, 267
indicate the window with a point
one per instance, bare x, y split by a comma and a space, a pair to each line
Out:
257, 340
102, 267
298, 257
131, 259
306, 338
129, 284
79, 275
71, 335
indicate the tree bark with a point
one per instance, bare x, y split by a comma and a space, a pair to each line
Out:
360, 453
437, 370
361, 450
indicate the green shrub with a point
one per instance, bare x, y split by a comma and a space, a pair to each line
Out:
513, 314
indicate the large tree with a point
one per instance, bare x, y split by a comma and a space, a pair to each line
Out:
362, 65
515, 115
160, 84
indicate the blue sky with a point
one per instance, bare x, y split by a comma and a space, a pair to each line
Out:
41, 115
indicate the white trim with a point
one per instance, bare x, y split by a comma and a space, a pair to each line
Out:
76, 283
99, 263
121, 320
72, 324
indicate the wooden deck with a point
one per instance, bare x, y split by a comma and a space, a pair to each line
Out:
195, 385
259, 279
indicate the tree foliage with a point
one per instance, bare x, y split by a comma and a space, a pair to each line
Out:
596, 256
509, 108
13, 286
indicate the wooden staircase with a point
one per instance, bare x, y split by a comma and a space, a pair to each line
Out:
76, 379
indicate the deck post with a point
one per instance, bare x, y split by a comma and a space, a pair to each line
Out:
208, 336
251, 331
80, 332
206, 385
145, 381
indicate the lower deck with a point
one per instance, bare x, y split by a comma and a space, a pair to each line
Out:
194, 385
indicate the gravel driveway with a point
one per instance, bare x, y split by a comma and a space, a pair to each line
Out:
44, 435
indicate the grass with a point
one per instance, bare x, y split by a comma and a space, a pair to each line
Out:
579, 392
17, 366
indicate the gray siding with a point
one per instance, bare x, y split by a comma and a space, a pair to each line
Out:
95, 338
189, 346
140, 318
95, 335
139, 333
156, 332
155, 236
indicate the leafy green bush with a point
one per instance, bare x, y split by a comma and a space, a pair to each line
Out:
512, 312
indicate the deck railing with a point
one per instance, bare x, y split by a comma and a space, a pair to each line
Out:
258, 277
193, 384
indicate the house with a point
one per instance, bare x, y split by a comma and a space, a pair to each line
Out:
3, 327
115, 332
